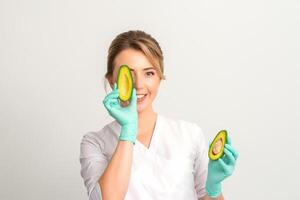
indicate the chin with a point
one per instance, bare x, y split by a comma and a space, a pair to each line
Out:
140, 109
143, 107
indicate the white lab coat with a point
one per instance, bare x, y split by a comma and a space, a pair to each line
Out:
174, 166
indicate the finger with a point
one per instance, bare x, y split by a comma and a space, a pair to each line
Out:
222, 164
133, 94
133, 98
111, 100
227, 171
111, 95
229, 158
110, 103
116, 109
228, 141
232, 150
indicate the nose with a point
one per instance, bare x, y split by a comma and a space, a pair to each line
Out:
138, 81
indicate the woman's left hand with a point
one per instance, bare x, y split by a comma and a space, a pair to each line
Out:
220, 169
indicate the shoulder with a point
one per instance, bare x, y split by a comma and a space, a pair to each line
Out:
102, 139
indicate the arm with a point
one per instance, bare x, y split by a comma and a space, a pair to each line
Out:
95, 167
210, 198
114, 181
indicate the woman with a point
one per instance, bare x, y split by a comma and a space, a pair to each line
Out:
143, 155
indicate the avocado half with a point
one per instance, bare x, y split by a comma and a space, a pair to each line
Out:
124, 83
216, 148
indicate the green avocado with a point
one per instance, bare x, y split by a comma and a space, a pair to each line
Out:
124, 83
216, 148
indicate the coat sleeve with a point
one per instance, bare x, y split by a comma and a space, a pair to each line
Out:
200, 163
93, 163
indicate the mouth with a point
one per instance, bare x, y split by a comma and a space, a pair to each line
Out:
141, 97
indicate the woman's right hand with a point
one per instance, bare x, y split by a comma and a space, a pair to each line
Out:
127, 116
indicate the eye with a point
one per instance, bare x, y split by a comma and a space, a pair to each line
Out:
149, 74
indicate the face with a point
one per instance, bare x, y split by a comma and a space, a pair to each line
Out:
145, 76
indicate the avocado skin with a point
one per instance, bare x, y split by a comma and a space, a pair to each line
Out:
124, 96
221, 135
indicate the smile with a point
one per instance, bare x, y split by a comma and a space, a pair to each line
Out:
141, 97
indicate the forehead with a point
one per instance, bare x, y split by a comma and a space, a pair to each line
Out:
135, 60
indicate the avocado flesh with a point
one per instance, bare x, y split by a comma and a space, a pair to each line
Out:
216, 149
124, 83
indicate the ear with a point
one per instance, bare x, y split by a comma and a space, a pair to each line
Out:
111, 83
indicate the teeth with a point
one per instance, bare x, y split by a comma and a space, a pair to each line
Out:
140, 96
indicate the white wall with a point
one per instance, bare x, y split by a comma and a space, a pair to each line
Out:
230, 65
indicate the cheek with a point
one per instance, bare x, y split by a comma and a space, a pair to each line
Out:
154, 87
115, 74
115, 77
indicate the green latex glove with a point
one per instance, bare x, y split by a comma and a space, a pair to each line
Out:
127, 116
220, 169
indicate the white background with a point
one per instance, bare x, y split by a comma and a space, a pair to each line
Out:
230, 64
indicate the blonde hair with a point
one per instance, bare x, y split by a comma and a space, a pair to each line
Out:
138, 40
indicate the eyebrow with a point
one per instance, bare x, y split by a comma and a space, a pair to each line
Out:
144, 68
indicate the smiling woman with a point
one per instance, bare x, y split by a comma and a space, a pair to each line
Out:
142, 154
145, 76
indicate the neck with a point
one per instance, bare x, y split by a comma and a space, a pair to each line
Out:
146, 120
